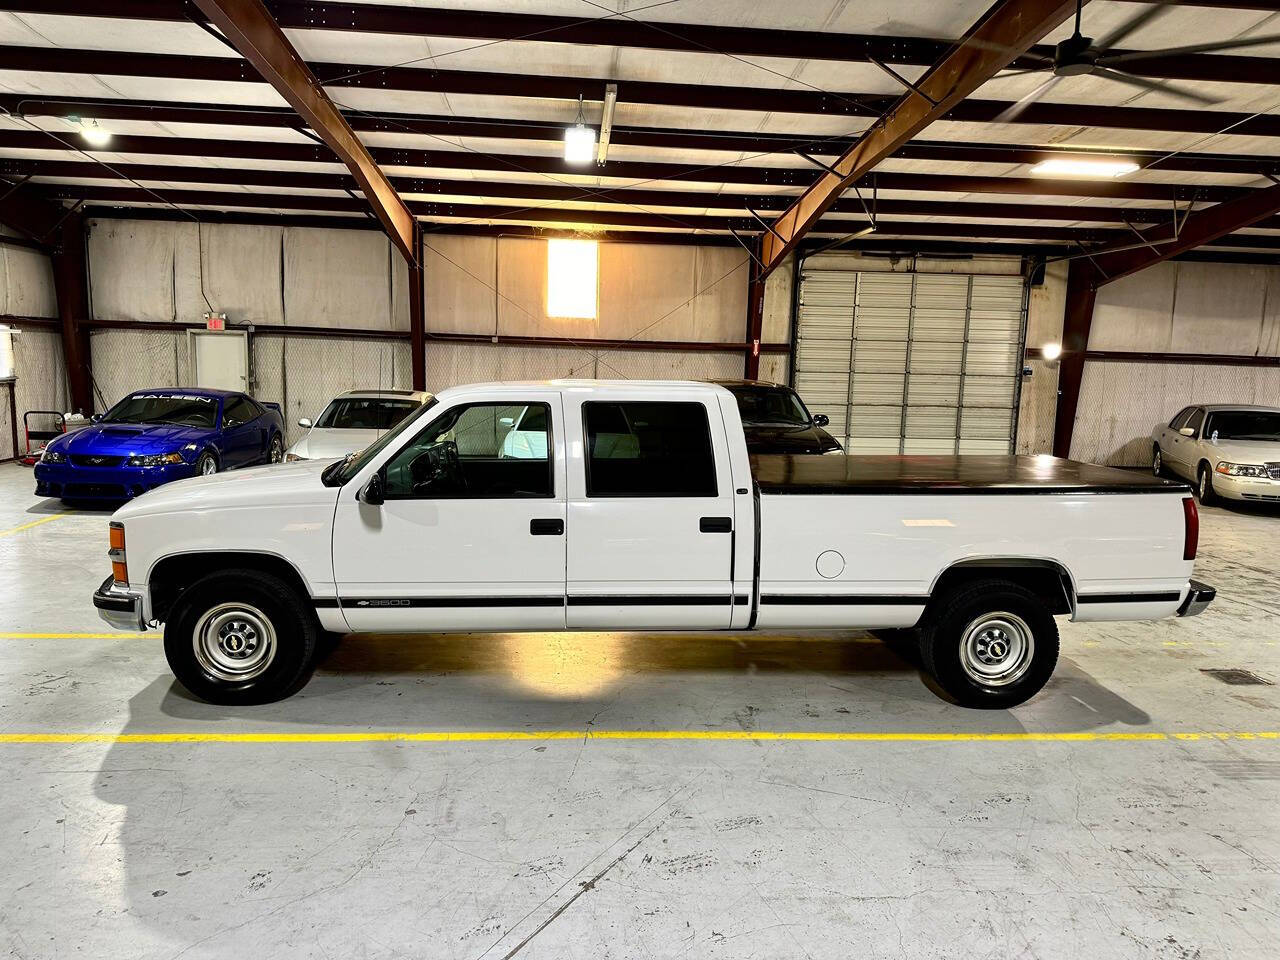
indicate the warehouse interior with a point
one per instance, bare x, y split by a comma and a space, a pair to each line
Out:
945, 243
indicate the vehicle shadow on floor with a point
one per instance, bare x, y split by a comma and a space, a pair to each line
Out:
848, 681
48, 506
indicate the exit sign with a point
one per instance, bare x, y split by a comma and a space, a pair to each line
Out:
215, 321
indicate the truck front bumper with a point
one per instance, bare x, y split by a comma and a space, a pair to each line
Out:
1199, 596
119, 606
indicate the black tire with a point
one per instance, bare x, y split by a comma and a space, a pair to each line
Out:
206, 464
961, 612
1157, 461
1204, 485
269, 609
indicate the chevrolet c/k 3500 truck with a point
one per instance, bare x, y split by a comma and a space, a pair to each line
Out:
595, 505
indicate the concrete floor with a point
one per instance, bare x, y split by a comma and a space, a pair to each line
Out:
588, 847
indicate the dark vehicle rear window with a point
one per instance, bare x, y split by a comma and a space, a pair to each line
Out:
365, 413
189, 410
770, 406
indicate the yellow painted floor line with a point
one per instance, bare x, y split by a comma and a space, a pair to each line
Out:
124, 635
474, 736
35, 523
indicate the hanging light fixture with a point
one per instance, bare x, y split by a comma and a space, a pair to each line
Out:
93, 134
579, 140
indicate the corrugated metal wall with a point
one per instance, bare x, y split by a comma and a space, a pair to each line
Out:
1176, 307
26, 290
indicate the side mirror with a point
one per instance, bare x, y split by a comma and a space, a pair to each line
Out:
821, 420
305, 423
95, 418
1187, 431
372, 491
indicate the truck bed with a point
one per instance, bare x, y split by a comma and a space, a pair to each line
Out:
783, 474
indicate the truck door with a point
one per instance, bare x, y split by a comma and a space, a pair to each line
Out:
651, 512
471, 533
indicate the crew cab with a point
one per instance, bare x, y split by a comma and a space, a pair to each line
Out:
636, 506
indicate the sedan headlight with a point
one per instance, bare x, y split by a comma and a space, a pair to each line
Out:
52, 456
290, 457
1242, 469
156, 460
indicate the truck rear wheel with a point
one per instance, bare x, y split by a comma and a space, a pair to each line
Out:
990, 644
241, 637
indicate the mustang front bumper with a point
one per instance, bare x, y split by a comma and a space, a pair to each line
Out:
72, 481
1198, 597
119, 606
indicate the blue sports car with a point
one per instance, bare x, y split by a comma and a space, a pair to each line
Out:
154, 436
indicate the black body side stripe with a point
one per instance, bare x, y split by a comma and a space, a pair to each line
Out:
861, 599
365, 603
740, 600
649, 600
1165, 597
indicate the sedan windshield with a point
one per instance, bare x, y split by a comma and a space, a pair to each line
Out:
339, 472
365, 413
770, 407
1243, 425
187, 409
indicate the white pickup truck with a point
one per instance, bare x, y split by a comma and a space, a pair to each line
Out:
635, 506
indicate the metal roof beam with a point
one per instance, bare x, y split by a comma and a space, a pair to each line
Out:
617, 218
250, 28
630, 33
1008, 28
517, 163
557, 193
696, 96
1209, 226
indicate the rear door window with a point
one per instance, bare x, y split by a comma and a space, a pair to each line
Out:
648, 449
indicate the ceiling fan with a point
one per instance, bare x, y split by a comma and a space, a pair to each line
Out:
1079, 55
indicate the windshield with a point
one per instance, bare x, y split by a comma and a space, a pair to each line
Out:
770, 407
365, 413
1243, 425
187, 409
337, 474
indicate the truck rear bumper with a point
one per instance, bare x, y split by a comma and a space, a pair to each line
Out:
1198, 597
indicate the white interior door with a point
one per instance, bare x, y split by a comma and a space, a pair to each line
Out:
220, 359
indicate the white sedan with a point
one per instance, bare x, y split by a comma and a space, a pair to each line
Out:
1227, 450
352, 421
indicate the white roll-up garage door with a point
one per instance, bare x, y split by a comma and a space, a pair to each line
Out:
912, 362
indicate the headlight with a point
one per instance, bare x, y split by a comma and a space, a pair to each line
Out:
836, 451
1241, 469
290, 457
156, 460
52, 456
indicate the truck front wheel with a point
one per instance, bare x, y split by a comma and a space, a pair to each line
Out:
990, 644
241, 637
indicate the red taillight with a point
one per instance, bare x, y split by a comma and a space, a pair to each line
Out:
1191, 516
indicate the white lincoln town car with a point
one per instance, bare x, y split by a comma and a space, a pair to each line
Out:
1229, 450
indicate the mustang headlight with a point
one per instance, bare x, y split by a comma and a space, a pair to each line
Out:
1241, 469
52, 456
156, 460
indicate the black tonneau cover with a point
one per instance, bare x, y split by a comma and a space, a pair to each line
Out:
969, 475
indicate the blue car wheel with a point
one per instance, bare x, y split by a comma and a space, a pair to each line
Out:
277, 449
206, 464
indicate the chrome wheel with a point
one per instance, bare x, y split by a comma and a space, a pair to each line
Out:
234, 642
1157, 464
277, 449
996, 649
208, 466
